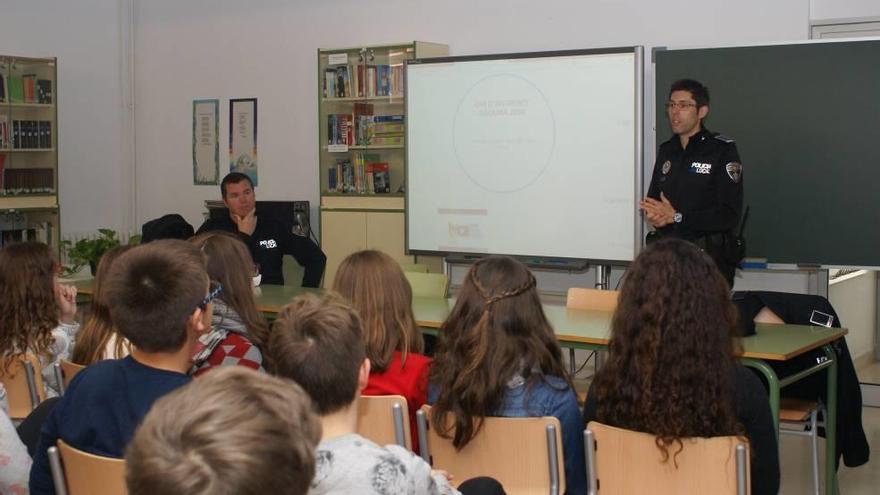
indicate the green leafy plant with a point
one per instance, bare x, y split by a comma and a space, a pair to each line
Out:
89, 251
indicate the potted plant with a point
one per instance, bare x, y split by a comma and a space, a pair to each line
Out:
89, 251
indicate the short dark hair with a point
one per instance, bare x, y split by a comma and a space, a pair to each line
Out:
153, 289
318, 343
226, 433
694, 87
233, 178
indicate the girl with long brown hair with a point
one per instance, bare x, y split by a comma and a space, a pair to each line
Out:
98, 339
671, 369
499, 357
238, 330
37, 313
377, 288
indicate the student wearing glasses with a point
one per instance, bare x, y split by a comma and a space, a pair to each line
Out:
696, 190
159, 297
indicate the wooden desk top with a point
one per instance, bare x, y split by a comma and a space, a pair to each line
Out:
772, 342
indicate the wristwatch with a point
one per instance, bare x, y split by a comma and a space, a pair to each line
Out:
676, 217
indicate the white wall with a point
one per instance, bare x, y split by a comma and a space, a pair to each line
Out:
85, 36
267, 49
846, 9
855, 301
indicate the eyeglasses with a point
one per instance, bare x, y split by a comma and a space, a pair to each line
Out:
216, 289
679, 105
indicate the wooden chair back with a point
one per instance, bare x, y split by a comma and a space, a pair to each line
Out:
82, 473
69, 369
22, 378
523, 454
428, 284
718, 465
384, 419
592, 299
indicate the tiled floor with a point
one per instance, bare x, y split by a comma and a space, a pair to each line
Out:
796, 471
870, 374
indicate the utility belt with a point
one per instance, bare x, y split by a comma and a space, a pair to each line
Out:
726, 247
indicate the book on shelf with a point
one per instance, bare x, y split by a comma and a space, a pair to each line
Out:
340, 129
386, 140
4, 132
22, 231
27, 181
2, 88
381, 128
31, 134
29, 87
363, 114
380, 180
364, 173
16, 90
388, 118
44, 91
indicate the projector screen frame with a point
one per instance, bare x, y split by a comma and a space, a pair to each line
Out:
638, 149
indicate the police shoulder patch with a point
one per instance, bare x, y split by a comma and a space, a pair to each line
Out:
722, 137
734, 171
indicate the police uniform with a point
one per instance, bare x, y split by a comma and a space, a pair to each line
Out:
269, 243
704, 183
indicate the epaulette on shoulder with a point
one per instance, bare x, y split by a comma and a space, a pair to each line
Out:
722, 137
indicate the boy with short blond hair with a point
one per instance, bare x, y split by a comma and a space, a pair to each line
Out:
232, 432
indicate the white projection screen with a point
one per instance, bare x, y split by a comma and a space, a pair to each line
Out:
533, 154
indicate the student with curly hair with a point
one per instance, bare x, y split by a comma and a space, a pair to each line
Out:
499, 357
375, 285
98, 338
238, 330
37, 313
671, 369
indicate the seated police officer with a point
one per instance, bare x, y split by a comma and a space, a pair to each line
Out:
696, 190
266, 237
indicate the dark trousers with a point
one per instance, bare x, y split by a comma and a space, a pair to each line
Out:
481, 486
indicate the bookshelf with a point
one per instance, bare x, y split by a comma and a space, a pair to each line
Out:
28, 150
362, 149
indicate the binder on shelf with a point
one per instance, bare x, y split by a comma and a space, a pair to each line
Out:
44, 91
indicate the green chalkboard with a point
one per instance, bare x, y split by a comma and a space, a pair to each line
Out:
806, 120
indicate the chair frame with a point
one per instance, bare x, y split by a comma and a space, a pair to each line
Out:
59, 476
399, 417
27, 362
553, 460
812, 423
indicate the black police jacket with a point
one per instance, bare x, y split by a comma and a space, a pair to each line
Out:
269, 243
703, 182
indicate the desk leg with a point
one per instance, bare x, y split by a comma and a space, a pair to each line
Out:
831, 424
772, 385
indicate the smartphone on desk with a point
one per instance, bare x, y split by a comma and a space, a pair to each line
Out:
821, 319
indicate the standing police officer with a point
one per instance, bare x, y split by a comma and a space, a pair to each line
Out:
696, 190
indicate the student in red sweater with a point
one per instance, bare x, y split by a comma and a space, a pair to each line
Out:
378, 290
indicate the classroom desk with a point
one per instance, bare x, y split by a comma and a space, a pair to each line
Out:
582, 329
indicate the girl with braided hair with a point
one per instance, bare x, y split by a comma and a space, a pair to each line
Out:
499, 357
